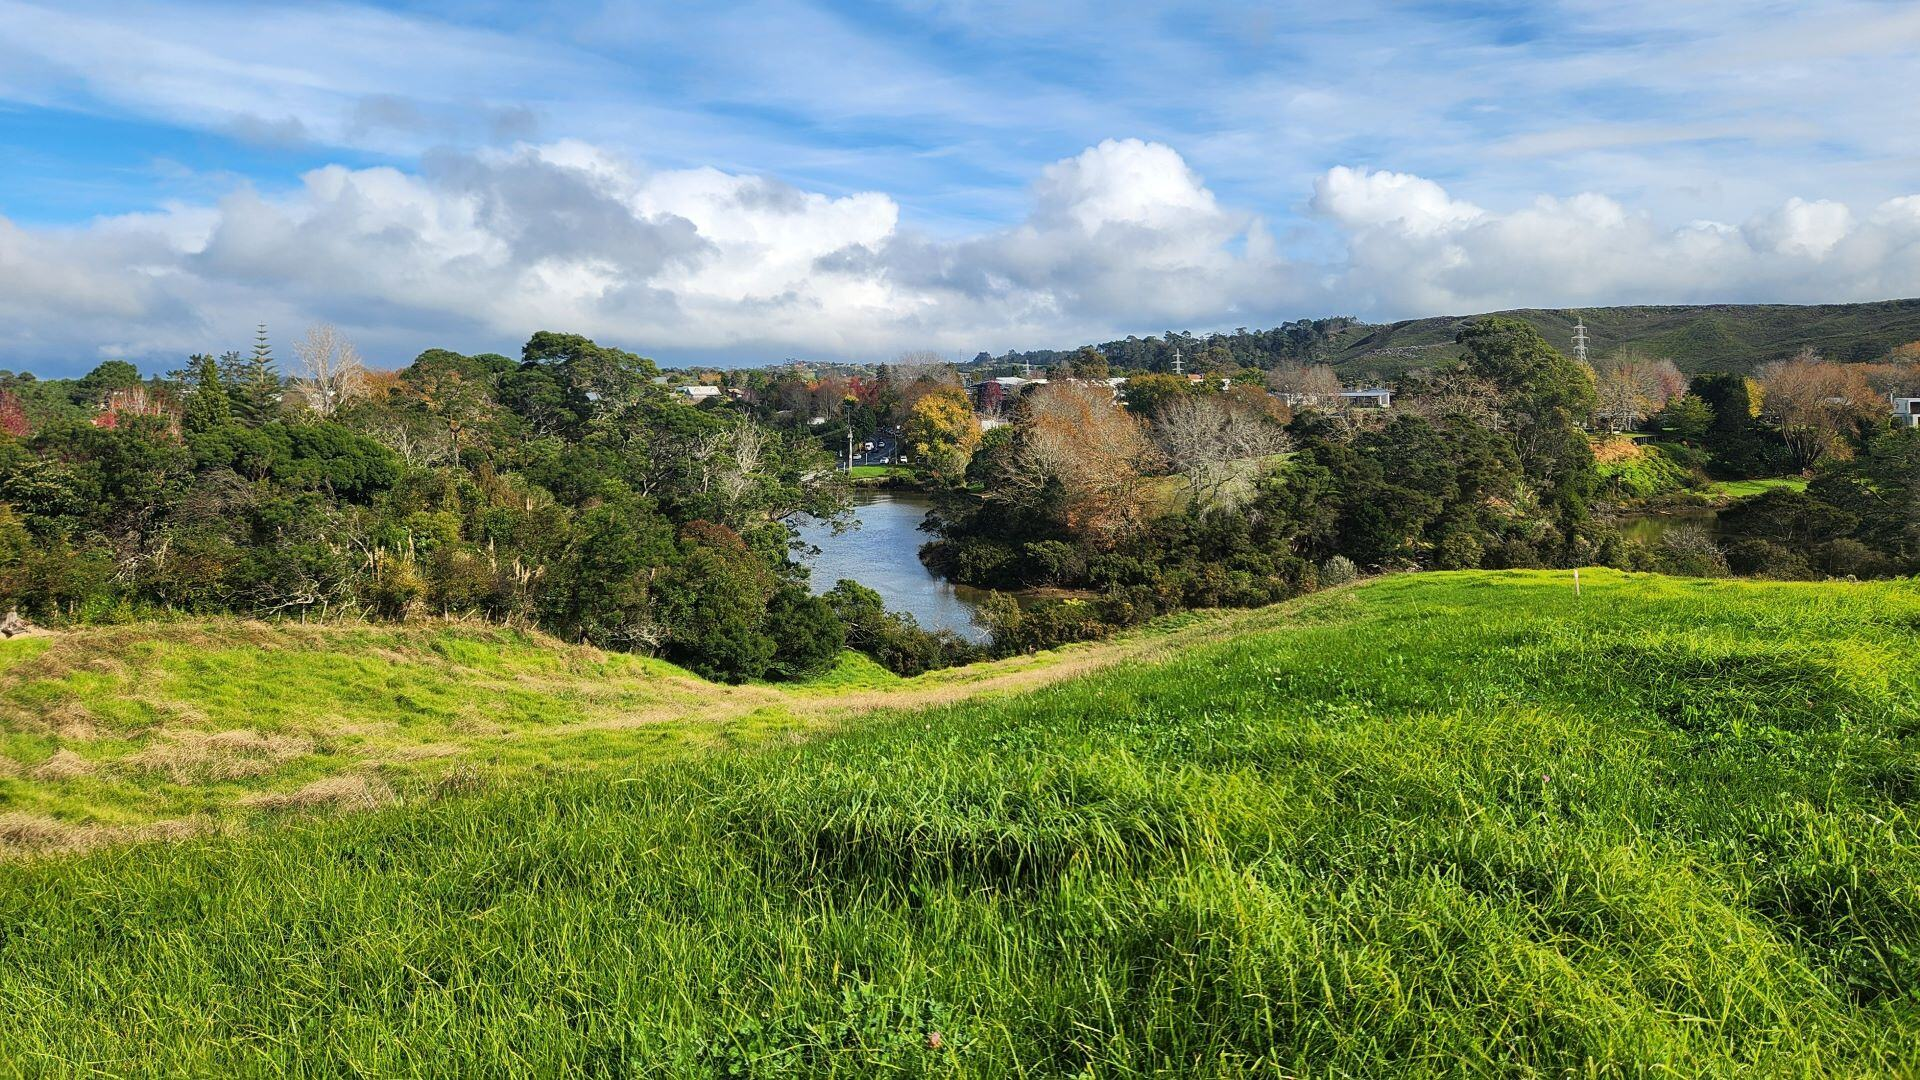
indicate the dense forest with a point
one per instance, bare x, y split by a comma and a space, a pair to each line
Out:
1301, 341
565, 489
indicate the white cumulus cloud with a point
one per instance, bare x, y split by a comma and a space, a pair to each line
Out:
477, 250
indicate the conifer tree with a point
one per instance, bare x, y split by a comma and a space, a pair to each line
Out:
253, 382
207, 405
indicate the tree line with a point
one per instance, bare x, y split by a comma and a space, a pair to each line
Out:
1217, 492
564, 489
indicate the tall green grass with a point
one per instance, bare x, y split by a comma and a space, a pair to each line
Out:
1460, 823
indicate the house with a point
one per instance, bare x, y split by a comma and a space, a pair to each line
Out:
1906, 412
1371, 398
701, 393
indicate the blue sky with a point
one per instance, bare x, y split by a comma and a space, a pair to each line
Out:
746, 182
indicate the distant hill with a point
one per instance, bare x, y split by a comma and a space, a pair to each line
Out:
1711, 337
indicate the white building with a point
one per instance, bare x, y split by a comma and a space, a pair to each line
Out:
1906, 412
701, 393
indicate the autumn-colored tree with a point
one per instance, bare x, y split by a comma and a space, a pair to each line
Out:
13, 416
1072, 444
1817, 403
942, 433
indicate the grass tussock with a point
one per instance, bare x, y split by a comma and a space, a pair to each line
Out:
1435, 825
356, 791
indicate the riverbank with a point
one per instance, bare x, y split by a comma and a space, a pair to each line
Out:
885, 478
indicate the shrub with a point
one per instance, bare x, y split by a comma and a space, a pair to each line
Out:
1690, 552
1338, 570
807, 636
1764, 558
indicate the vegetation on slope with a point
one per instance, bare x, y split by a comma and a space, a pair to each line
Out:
1439, 823
1714, 337
1705, 337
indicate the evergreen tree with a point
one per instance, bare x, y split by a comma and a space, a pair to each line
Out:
253, 382
207, 406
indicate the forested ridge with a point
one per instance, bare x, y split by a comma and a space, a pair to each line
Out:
1706, 337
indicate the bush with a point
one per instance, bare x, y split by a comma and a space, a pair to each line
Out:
807, 636
1764, 558
894, 639
1690, 552
1338, 570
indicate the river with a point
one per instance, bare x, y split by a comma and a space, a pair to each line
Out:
883, 553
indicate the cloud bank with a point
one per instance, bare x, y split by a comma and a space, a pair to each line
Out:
477, 249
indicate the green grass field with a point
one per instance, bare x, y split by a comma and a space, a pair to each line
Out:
1447, 823
1741, 489
880, 472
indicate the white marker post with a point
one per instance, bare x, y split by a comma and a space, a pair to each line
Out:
1576, 582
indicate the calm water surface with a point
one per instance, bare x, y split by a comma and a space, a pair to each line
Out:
883, 553
1648, 528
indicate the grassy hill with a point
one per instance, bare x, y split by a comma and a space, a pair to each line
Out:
1434, 824
1716, 337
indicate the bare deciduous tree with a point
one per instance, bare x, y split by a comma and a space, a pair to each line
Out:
1305, 384
331, 372
1623, 395
1456, 393
1216, 444
1628, 387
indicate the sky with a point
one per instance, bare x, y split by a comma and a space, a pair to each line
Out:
744, 183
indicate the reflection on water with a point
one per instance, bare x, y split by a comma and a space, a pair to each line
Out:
1648, 528
883, 554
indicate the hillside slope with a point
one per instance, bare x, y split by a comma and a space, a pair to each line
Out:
1435, 824
1717, 337
165, 730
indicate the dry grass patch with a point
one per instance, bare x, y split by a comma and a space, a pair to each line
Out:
36, 832
350, 791
63, 765
189, 757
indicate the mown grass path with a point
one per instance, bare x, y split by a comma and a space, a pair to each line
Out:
1449, 824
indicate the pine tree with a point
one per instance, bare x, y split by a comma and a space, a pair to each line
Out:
253, 383
207, 405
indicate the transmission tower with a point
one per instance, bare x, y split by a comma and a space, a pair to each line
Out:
1177, 369
1579, 340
